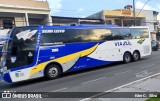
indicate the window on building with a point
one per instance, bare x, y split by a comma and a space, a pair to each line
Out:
128, 22
35, 21
8, 23
108, 22
118, 22
131, 22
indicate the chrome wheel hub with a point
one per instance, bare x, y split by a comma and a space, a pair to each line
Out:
53, 72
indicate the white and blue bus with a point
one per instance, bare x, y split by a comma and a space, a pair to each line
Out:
49, 51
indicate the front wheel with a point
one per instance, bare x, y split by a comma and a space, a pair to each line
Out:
127, 58
136, 56
52, 71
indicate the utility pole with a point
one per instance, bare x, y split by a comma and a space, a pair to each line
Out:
134, 13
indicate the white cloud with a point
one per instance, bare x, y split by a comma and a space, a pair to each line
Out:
81, 10
158, 6
139, 5
55, 5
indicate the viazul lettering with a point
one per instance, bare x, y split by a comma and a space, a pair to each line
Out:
124, 43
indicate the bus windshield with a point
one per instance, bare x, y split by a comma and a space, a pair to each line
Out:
19, 51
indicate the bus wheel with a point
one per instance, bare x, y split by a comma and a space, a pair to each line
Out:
52, 71
136, 56
127, 58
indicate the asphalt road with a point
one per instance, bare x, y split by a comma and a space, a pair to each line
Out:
99, 79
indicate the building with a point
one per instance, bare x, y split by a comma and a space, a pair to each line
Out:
150, 21
124, 17
24, 13
120, 17
61, 21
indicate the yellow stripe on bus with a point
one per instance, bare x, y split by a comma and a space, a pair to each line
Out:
64, 59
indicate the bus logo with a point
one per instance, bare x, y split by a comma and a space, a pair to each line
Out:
141, 41
124, 43
18, 74
6, 94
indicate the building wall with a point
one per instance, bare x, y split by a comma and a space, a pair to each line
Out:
154, 37
149, 20
25, 3
20, 21
22, 11
119, 14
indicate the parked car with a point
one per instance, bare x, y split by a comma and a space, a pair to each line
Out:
155, 45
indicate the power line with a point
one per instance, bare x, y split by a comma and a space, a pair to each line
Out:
143, 7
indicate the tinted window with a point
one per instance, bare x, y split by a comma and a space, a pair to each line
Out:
125, 33
139, 33
59, 36
74, 35
112, 34
122, 33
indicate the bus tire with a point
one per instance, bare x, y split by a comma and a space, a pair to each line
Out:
136, 56
127, 57
52, 71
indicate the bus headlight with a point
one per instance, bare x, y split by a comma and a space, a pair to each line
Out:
1, 74
3, 70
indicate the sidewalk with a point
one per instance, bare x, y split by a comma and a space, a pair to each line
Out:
151, 84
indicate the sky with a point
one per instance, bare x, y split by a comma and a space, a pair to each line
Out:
84, 8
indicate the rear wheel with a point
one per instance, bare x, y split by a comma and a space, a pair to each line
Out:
52, 71
136, 56
127, 58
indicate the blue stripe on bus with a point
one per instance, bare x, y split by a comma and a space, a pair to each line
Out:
68, 49
63, 51
87, 62
7, 78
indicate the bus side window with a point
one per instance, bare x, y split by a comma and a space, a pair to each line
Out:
139, 33
125, 33
117, 35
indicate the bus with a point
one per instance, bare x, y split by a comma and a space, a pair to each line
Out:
48, 51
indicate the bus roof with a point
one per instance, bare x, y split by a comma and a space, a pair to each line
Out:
92, 26
85, 26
